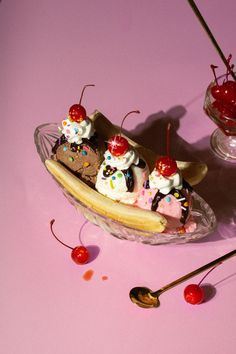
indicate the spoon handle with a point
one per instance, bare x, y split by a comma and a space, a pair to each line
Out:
195, 272
212, 38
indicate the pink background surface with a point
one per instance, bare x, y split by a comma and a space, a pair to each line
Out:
146, 55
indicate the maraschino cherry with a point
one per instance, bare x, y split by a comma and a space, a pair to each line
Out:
77, 112
165, 165
194, 293
118, 145
226, 91
79, 254
225, 94
225, 112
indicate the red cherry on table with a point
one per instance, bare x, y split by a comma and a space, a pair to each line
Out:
77, 113
194, 294
80, 255
117, 145
166, 166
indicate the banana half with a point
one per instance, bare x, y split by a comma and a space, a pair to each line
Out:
127, 215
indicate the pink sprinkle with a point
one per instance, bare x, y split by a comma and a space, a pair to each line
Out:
85, 148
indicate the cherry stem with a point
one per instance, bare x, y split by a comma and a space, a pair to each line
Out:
212, 38
168, 139
82, 93
213, 67
209, 273
229, 67
125, 118
64, 244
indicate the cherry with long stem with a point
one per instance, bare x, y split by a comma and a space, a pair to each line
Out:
79, 254
194, 293
165, 165
118, 145
77, 113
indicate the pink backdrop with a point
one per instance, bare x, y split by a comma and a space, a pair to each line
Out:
146, 55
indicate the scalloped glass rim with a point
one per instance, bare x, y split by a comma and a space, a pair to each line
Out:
45, 136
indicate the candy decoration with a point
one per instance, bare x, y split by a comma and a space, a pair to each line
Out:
79, 254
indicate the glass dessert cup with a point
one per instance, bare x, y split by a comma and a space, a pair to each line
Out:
45, 137
223, 139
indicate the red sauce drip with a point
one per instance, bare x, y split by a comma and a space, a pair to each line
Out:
88, 275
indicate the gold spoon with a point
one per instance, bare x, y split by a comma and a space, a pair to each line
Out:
147, 298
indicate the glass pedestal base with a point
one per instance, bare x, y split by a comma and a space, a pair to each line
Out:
224, 146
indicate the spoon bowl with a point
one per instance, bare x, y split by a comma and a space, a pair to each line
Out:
144, 297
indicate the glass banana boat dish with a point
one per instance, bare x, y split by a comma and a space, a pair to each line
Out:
121, 220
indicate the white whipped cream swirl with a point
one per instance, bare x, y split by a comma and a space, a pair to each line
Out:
165, 184
75, 132
122, 162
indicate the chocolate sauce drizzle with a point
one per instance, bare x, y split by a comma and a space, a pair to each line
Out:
129, 179
109, 171
59, 142
141, 164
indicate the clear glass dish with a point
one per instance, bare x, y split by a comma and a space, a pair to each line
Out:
45, 136
223, 139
